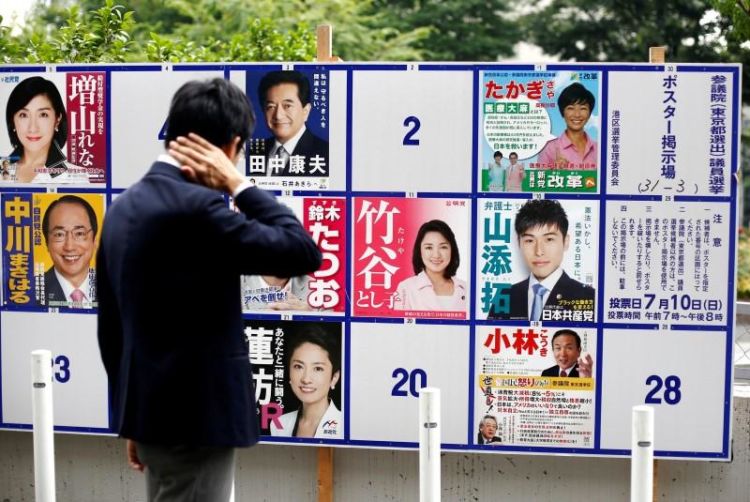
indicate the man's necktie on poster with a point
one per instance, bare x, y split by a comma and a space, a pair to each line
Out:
562, 373
536, 309
282, 154
77, 296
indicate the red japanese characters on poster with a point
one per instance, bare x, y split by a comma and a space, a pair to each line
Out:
325, 220
535, 386
411, 257
87, 144
323, 290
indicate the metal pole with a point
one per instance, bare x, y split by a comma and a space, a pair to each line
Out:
44, 441
429, 445
642, 455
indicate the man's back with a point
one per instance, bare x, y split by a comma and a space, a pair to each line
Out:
170, 261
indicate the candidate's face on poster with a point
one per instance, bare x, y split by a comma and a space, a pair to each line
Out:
284, 112
311, 373
576, 115
566, 351
488, 428
35, 125
543, 249
513, 158
436, 252
71, 241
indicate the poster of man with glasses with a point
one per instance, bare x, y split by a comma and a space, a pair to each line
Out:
56, 234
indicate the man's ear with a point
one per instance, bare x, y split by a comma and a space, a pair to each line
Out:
232, 148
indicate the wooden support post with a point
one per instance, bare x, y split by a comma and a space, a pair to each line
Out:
657, 54
324, 34
325, 474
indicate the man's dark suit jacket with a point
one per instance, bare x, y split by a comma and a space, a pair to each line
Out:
308, 146
566, 289
480, 439
53, 291
555, 371
170, 321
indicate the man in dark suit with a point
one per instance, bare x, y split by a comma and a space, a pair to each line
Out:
566, 347
168, 273
69, 227
487, 431
548, 294
293, 150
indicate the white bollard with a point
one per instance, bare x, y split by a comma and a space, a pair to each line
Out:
429, 444
642, 455
44, 442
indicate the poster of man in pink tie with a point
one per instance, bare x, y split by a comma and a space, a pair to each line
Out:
537, 260
49, 248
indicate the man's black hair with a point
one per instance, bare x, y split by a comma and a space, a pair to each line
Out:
568, 332
274, 78
215, 109
541, 212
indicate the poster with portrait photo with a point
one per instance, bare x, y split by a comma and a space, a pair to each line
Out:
411, 257
519, 384
49, 248
297, 371
320, 291
289, 148
562, 261
539, 131
55, 128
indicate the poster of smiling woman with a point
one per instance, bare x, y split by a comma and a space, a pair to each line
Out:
539, 131
54, 129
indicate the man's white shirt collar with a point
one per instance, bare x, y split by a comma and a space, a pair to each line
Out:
290, 145
68, 288
168, 159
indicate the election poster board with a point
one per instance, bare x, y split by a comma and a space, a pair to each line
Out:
549, 245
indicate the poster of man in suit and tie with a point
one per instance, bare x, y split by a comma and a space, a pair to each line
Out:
533, 403
544, 269
55, 236
289, 148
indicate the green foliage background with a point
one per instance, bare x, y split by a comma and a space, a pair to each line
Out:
103, 31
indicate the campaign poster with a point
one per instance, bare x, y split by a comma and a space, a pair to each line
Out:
670, 133
297, 372
289, 148
667, 262
521, 395
411, 257
320, 291
49, 248
55, 128
548, 271
539, 131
